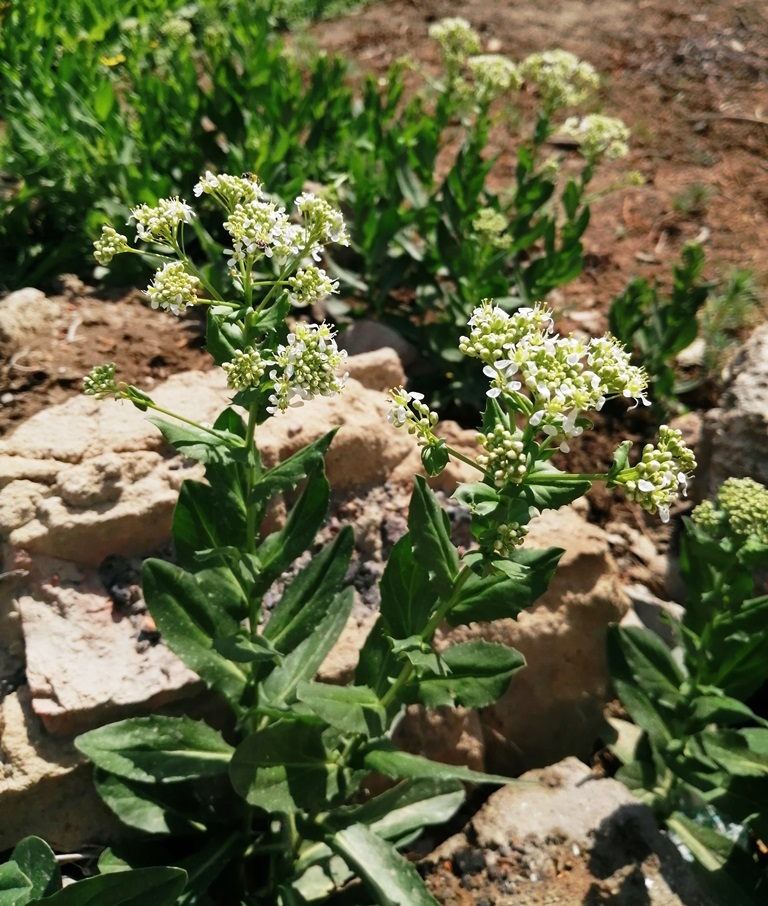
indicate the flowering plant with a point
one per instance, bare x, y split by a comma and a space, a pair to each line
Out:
699, 757
267, 807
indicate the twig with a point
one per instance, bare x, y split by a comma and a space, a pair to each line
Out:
736, 117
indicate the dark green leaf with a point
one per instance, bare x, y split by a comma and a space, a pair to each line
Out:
520, 583
288, 473
36, 860
475, 674
435, 458
431, 538
157, 749
351, 709
142, 806
646, 678
302, 663
305, 600
408, 596
284, 768
388, 760
189, 620
140, 887
392, 880
242, 649
552, 495
204, 446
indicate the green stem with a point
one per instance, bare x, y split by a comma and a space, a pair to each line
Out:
152, 405
564, 477
426, 635
460, 456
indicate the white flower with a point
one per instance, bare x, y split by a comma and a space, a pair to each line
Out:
161, 223
307, 366
246, 369
563, 80
173, 289
311, 284
598, 136
408, 408
109, 244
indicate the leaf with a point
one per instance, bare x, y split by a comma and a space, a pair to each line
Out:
390, 761
478, 496
36, 860
279, 688
158, 886
408, 595
157, 749
477, 674
142, 806
278, 551
288, 473
552, 495
386, 874
203, 446
103, 99
523, 579
242, 649
284, 768
305, 600
646, 678
410, 805
431, 539
435, 458
737, 754
189, 622
351, 709
15, 886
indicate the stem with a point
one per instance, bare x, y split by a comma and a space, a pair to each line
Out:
426, 635
565, 477
460, 456
152, 405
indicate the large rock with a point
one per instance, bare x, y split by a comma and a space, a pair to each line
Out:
26, 316
565, 835
735, 434
46, 787
553, 706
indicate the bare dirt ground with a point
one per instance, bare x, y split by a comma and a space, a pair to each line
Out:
689, 77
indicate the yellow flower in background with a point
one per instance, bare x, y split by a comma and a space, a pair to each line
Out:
116, 60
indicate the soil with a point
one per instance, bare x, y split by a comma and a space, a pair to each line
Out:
690, 78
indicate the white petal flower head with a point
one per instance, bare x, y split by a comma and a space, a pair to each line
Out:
562, 79
109, 244
307, 366
173, 289
162, 222
598, 136
493, 75
311, 284
456, 37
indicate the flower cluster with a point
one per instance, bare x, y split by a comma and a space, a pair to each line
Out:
322, 222
742, 508
260, 228
505, 458
598, 136
562, 376
246, 369
100, 382
310, 284
408, 408
563, 80
508, 537
228, 189
456, 37
491, 226
661, 475
109, 244
493, 75
161, 223
173, 288
306, 367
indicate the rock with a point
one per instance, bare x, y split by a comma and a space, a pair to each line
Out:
447, 735
562, 814
655, 613
87, 663
553, 706
25, 317
380, 369
365, 336
46, 786
735, 435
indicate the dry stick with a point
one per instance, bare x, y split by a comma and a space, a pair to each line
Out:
735, 117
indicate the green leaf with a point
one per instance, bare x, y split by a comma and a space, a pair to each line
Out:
36, 860
552, 495
305, 600
103, 99
409, 806
15, 886
288, 473
523, 579
159, 886
242, 649
476, 674
279, 688
478, 496
284, 768
143, 807
620, 460
408, 595
738, 754
189, 621
278, 551
388, 760
223, 337
646, 678
351, 709
157, 749
386, 874
435, 458
203, 446
431, 538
